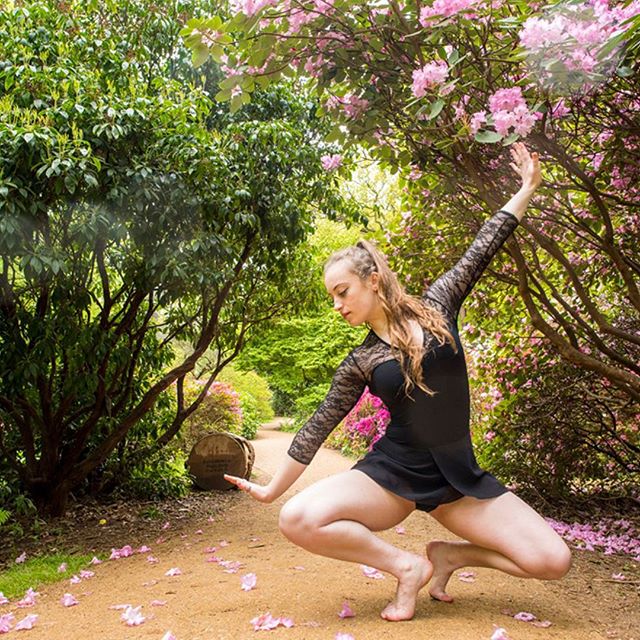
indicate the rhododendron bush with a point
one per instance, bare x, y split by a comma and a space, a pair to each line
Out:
436, 90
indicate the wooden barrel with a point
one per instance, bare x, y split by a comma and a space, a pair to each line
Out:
217, 454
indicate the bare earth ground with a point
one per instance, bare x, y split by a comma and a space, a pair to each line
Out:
205, 603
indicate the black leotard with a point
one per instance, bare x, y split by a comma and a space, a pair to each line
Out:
426, 454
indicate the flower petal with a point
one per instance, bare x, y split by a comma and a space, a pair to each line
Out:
26, 622
370, 572
68, 600
347, 611
174, 571
248, 581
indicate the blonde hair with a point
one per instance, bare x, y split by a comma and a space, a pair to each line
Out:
399, 308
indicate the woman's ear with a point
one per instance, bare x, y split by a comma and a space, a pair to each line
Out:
375, 279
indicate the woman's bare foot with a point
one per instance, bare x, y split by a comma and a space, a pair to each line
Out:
416, 575
439, 554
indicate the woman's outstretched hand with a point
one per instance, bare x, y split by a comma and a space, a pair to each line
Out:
257, 491
527, 166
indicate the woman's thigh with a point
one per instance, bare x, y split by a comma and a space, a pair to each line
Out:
508, 525
350, 495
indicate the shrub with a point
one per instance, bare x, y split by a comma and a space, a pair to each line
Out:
365, 424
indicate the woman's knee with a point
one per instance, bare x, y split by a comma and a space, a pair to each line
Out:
549, 563
295, 521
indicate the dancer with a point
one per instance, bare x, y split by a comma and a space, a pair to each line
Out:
412, 359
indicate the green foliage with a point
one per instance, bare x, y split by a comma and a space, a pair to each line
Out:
250, 417
37, 571
253, 389
163, 476
135, 211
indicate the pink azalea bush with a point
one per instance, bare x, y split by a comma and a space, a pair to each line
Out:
365, 424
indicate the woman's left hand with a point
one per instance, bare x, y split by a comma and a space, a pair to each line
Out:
527, 166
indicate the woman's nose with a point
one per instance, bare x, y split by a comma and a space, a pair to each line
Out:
337, 305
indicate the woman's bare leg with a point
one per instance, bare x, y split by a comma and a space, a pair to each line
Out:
503, 533
336, 516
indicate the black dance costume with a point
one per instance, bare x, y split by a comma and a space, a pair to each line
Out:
425, 455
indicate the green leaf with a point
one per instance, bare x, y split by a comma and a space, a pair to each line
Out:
488, 137
435, 110
200, 55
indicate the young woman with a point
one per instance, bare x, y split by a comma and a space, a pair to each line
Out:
412, 359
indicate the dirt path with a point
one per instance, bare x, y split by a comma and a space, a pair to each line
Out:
205, 603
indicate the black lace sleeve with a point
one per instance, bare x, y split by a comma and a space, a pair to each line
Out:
448, 292
346, 388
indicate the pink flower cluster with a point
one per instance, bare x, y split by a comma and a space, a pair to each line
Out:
612, 537
509, 113
251, 7
429, 76
368, 419
352, 105
575, 37
331, 162
444, 8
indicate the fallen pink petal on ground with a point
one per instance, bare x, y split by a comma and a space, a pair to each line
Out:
618, 577
266, 622
224, 543
132, 616
85, 573
524, 616
400, 530
143, 549
168, 636
370, 572
500, 634
210, 549
248, 581
299, 568
165, 526
68, 600
199, 532
75, 580
95, 560
62, 568
174, 571
119, 607
21, 558
27, 622
3, 598
467, 576
6, 621
542, 624
152, 559
29, 599
158, 603
347, 611
343, 636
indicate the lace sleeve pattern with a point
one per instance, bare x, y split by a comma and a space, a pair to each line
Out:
346, 388
448, 292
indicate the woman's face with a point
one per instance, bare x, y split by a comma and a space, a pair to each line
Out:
356, 300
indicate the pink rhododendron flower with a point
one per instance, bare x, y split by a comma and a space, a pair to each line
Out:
266, 622
230, 566
347, 611
6, 621
68, 600
444, 8
3, 598
62, 568
477, 120
95, 560
500, 634
21, 558
85, 573
152, 559
75, 580
370, 572
331, 162
248, 581
143, 549
467, 576
174, 571
26, 622
132, 616
29, 598
432, 74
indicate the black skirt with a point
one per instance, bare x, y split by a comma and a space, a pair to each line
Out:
429, 477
